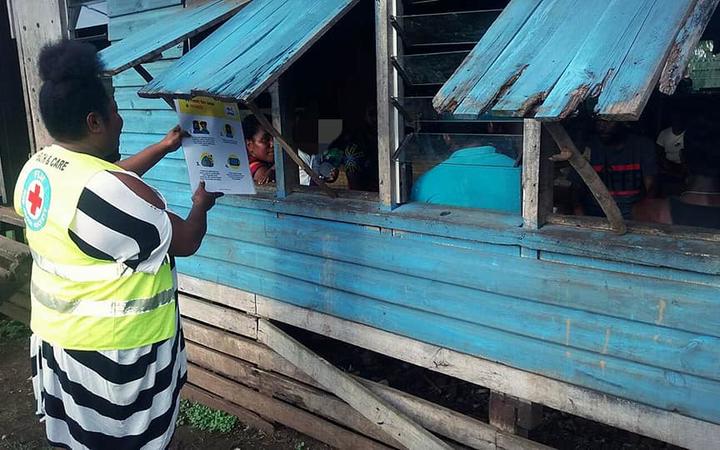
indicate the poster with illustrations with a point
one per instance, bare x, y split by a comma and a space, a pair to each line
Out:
215, 151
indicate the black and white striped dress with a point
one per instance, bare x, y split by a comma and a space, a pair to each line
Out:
113, 399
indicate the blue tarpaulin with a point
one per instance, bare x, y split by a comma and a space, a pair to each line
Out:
245, 55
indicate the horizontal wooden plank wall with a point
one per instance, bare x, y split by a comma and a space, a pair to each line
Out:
229, 369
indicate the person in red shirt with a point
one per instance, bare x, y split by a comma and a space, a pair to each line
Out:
260, 149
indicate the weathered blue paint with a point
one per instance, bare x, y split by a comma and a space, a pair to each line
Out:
551, 55
241, 58
144, 44
633, 316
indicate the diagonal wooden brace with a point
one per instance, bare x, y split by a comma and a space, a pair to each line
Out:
366, 402
570, 153
290, 150
142, 71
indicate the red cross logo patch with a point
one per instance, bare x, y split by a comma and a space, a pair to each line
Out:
36, 199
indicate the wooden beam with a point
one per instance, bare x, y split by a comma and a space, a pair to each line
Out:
291, 152
533, 216
653, 422
513, 415
367, 403
386, 88
37, 24
570, 153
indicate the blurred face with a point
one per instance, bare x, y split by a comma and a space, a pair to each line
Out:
608, 131
261, 146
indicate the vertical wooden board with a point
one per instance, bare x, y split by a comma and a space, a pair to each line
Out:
626, 94
37, 24
531, 209
121, 7
385, 88
548, 17
485, 54
598, 59
281, 412
638, 418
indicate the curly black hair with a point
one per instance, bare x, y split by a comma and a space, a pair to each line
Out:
71, 88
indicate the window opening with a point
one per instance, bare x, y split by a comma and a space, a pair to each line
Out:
442, 159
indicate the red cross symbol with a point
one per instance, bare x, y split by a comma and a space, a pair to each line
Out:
35, 199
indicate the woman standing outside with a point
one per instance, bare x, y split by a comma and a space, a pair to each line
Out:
108, 354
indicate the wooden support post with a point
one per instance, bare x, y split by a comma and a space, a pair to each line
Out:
366, 402
386, 88
286, 171
537, 182
513, 415
569, 152
291, 152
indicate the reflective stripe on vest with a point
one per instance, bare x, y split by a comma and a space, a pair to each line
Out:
101, 308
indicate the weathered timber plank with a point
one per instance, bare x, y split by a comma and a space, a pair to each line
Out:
385, 416
219, 316
243, 348
210, 400
121, 7
550, 16
387, 129
305, 397
147, 35
626, 94
218, 293
280, 412
531, 207
598, 59
37, 24
663, 425
15, 312
482, 57
685, 44
547, 64
649, 249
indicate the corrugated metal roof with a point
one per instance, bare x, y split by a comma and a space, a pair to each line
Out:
246, 54
146, 44
543, 58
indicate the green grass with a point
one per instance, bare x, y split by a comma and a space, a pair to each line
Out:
11, 330
203, 418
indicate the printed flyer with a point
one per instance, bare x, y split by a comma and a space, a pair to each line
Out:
215, 151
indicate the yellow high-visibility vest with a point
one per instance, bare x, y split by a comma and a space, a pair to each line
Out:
80, 302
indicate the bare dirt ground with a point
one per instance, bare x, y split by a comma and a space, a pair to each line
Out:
21, 430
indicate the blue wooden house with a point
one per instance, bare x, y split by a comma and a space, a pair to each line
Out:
561, 311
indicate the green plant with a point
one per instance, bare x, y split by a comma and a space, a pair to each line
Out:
11, 330
203, 418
